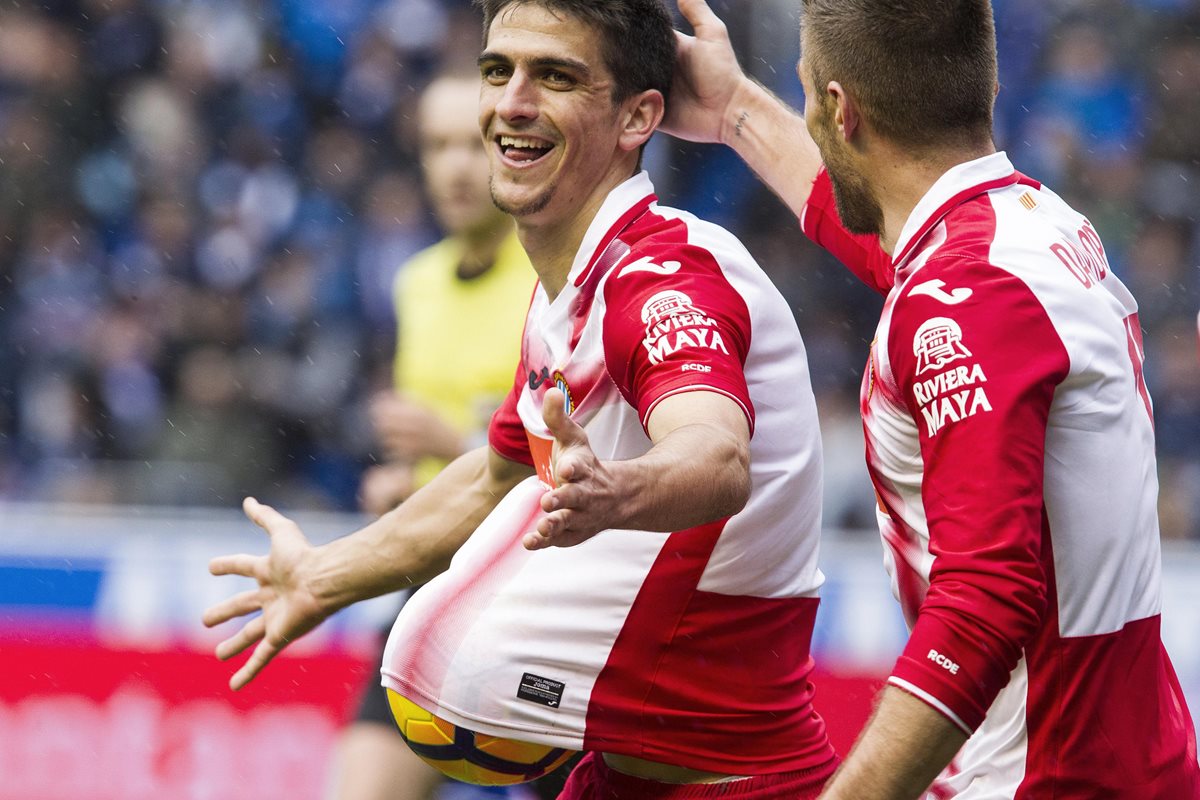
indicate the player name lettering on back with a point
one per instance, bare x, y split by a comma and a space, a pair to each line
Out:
940, 404
1085, 257
943, 662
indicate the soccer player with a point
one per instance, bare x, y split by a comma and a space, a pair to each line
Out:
654, 607
1009, 432
480, 273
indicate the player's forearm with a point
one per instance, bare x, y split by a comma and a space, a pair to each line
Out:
696, 474
774, 142
899, 754
416, 540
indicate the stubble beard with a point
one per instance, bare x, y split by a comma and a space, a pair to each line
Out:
533, 206
857, 206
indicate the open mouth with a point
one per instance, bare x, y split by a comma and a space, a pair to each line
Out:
523, 150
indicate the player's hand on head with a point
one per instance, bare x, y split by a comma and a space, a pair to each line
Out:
288, 607
583, 501
707, 77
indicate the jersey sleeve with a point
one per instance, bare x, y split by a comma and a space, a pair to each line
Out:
861, 254
506, 432
673, 323
978, 362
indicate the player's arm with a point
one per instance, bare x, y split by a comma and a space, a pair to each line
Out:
300, 585
903, 748
697, 471
713, 100
988, 584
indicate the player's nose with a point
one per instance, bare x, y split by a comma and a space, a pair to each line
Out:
519, 99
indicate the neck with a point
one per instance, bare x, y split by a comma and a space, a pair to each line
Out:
903, 180
551, 238
481, 245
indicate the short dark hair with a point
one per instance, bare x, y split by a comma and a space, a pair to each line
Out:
923, 71
638, 39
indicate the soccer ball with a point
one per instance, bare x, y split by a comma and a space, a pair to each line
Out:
468, 756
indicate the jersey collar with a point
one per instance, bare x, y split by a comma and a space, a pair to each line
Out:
956, 186
624, 204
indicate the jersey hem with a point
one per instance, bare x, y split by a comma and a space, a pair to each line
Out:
478, 724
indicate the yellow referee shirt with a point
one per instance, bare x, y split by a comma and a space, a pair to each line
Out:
458, 341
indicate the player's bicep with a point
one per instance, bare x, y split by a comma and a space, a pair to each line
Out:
699, 407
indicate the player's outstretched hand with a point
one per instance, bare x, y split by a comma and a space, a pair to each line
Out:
288, 607
584, 500
707, 78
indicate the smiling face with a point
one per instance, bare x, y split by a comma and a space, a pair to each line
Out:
557, 142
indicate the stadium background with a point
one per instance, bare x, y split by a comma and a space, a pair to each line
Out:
202, 206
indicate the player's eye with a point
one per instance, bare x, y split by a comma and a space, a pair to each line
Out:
558, 79
496, 73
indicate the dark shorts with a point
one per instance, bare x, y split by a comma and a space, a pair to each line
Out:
593, 779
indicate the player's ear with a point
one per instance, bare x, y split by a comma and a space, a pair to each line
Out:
642, 114
846, 116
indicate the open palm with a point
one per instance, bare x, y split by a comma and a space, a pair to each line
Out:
288, 607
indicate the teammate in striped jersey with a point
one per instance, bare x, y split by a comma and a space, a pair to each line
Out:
1009, 432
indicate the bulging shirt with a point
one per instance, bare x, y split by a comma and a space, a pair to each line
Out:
688, 647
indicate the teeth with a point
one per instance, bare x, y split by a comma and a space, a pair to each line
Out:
518, 141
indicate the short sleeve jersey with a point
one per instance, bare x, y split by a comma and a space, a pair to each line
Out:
687, 647
1010, 440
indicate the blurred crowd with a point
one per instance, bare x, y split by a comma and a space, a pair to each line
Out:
203, 206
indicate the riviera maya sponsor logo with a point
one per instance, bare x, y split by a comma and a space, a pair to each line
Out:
674, 323
955, 393
938, 342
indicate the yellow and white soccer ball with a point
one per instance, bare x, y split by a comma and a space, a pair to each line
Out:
468, 756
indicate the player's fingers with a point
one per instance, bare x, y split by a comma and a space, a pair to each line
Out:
237, 606
261, 656
704, 22
563, 496
534, 541
240, 564
250, 633
554, 524
266, 517
562, 427
574, 467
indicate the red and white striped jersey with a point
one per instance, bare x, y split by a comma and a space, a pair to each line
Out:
690, 647
1010, 438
